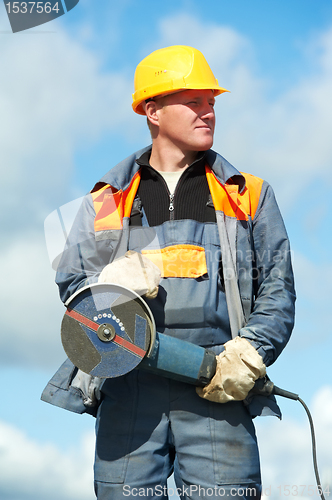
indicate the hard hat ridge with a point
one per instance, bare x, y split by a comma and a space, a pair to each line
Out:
170, 69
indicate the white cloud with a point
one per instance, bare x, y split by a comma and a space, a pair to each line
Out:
31, 308
32, 470
187, 29
285, 448
313, 279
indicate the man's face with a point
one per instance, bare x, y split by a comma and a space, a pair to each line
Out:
187, 119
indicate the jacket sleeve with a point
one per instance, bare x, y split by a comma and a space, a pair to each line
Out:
83, 256
271, 321
80, 264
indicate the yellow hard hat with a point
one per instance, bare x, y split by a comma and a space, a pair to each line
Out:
170, 69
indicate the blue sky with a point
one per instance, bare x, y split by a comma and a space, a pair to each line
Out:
66, 119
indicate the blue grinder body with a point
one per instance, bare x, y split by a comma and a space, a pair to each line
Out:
180, 360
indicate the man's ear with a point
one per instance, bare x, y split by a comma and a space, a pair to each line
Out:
150, 109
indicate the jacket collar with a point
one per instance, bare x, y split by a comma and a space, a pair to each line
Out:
120, 176
224, 171
144, 160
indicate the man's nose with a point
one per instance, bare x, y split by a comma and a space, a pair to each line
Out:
207, 111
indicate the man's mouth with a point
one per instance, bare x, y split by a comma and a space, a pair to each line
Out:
204, 126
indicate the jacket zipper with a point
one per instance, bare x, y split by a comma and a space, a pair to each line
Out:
171, 206
171, 196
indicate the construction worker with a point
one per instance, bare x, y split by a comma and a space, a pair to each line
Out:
220, 276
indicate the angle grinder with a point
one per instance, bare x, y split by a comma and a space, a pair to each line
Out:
109, 330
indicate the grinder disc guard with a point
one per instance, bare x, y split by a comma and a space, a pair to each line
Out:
107, 330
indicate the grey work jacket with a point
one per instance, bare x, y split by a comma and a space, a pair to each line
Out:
255, 255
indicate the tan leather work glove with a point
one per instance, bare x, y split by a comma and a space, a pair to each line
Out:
238, 367
133, 271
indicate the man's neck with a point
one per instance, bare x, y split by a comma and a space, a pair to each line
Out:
171, 159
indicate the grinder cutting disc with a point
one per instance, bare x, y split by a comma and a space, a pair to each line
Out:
107, 330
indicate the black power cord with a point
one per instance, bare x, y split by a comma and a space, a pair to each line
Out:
265, 387
320, 489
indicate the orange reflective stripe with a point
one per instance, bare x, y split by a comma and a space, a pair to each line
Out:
254, 187
111, 207
130, 193
227, 198
179, 261
108, 209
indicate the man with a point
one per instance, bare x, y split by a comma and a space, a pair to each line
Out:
226, 284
